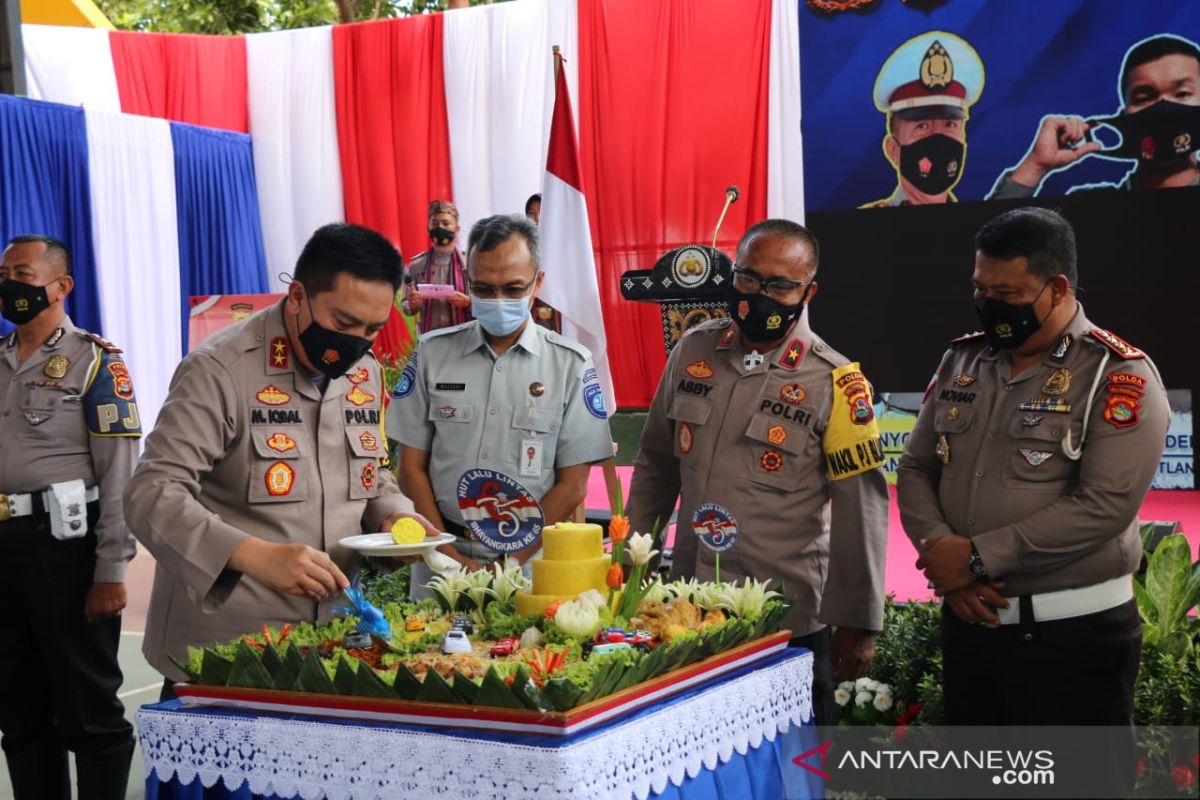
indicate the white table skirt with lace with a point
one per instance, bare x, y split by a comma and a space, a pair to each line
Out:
344, 760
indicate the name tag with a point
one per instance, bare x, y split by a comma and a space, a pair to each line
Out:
530, 458
450, 387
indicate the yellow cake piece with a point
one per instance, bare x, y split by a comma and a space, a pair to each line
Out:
573, 560
572, 542
530, 604
407, 531
569, 578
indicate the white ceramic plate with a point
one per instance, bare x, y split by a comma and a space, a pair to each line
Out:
381, 544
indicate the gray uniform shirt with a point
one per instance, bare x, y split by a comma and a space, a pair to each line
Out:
245, 444
69, 413
468, 408
990, 458
755, 441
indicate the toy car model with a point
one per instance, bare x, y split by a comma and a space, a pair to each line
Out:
505, 646
357, 639
464, 623
455, 641
414, 624
619, 635
590, 649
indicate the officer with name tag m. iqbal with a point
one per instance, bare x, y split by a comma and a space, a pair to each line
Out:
757, 414
1020, 487
268, 451
69, 425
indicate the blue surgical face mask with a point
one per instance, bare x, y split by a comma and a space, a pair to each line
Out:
500, 316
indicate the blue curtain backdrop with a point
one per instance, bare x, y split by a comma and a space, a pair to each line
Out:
220, 236
44, 189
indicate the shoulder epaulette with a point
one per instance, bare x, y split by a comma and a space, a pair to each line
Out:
444, 331
100, 341
1115, 343
967, 337
568, 343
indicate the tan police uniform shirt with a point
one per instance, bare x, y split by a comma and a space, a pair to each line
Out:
69, 413
761, 443
535, 408
1046, 471
246, 445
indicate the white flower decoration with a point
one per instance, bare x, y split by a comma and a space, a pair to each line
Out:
841, 696
638, 545
883, 701
862, 698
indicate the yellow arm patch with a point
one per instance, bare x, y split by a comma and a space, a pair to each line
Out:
852, 443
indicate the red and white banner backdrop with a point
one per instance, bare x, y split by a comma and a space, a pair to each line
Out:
677, 99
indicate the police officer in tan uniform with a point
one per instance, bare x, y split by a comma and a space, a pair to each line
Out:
759, 415
1020, 486
268, 451
70, 426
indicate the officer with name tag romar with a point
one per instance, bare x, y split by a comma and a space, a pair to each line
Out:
268, 451
1020, 487
69, 425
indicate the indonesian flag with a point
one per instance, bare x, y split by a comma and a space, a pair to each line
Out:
566, 240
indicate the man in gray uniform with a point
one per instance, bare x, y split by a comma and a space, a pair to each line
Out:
1020, 487
759, 415
267, 452
70, 427
498, 392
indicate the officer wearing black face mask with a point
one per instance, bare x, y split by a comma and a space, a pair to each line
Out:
441, 266
926, 89
68, 441
758, 414
268, 451
1020, 487
1158, 127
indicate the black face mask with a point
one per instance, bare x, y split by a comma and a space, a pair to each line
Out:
1161, 132
760, 318
332, 352
22, 302
441, 236
1007, 325
933, 164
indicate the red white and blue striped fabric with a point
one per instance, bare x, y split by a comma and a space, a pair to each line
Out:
676, 99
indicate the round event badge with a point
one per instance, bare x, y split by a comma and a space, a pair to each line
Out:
715, 526
498, 511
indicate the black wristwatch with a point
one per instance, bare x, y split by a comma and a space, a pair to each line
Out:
976, 564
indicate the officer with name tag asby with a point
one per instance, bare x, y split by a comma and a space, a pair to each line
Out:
69, 425
1020, 487
267, 452
757, 414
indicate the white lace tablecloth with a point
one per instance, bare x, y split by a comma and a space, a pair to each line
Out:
343, 760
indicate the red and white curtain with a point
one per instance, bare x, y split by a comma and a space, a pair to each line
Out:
675, 100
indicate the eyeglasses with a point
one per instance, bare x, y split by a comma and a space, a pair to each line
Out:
511, 291
778, 288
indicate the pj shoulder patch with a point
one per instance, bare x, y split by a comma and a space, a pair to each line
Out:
110, 407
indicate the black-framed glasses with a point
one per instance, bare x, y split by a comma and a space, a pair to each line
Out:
510, 291
746, 281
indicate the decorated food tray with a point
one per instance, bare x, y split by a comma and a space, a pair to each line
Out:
517, 720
